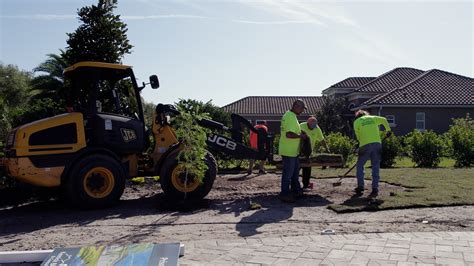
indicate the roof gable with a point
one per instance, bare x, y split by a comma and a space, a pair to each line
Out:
434, 87
277, 105
390, 80
352, 82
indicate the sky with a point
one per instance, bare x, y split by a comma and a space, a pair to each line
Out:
224, 50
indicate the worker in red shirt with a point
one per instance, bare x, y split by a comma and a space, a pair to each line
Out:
254, 145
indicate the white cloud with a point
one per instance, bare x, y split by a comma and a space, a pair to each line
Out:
278, 22
328, 12
297, 10
194, 5
347, 32
372, 46
41, 17
153, 17
66, 17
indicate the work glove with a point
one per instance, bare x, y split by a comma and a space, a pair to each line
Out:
303, 135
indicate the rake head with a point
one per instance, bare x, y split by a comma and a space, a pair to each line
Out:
338, 182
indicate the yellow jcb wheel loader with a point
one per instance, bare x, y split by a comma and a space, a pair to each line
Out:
101, 141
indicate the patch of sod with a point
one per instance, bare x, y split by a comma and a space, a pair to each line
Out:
423, 188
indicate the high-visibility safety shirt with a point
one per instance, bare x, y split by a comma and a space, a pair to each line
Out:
367, 129
254, 136
315, 134
289, 147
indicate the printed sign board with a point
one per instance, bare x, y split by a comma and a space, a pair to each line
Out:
136, 254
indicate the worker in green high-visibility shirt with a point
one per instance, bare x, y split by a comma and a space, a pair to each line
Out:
289, 149
311, 128
367, 131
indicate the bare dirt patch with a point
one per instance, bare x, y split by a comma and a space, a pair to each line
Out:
145, 216
238, 186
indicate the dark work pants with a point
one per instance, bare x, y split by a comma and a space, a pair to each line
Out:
306, 176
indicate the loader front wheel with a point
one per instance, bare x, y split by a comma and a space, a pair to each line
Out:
177, 185
95, 181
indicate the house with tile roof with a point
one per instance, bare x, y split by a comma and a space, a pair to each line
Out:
411, 98
408, 97
272, 108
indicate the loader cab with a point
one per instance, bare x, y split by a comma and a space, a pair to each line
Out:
109, 98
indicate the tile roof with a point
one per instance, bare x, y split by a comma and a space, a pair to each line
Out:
434, 87
277, 105
352, 82
390, 80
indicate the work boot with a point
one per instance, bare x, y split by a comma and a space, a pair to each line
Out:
359, 190
308, 188
287, 198
299, 194
262, 172
249, 172
374, 193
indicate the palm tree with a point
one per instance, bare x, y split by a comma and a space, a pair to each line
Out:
50, 84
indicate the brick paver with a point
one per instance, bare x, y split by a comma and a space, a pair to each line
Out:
262, 259
372, 255
418, 248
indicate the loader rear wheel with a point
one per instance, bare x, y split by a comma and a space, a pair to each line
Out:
95, 181
176, 185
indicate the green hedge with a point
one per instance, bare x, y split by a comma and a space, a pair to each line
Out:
424, 148
461, 141
341, 144
391, 149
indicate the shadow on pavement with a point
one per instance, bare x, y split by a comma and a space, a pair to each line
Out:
48, 213
275, 211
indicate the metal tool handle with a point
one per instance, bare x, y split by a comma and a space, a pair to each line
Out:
350, 169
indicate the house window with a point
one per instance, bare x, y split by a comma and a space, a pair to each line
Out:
390, 120
420, 121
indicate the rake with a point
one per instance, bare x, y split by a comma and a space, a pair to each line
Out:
339, 182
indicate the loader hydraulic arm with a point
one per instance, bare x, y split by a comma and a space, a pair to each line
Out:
230, 144
233, 146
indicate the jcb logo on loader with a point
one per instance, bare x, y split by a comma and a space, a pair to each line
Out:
128, 134
223, 142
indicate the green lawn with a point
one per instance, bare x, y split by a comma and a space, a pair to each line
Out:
424, 187
407, 162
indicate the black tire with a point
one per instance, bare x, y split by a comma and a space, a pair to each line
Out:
94, 181
174, 192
